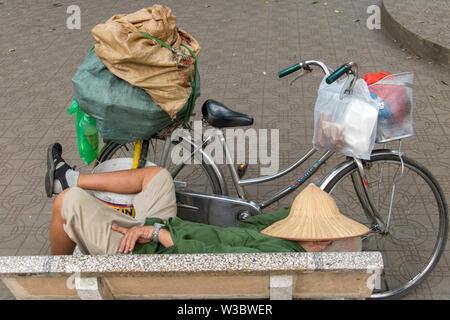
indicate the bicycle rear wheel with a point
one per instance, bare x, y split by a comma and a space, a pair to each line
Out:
194, 177
418, 223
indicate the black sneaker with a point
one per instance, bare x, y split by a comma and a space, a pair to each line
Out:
54, 153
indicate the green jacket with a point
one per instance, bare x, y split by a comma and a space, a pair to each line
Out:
190, 237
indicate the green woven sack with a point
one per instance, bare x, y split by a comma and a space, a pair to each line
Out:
123, 113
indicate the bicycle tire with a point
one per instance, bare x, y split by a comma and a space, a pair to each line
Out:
112, 149
441, 238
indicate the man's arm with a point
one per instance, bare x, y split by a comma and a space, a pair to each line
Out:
141, 234
165, 238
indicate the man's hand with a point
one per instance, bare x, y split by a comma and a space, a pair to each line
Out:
142, 234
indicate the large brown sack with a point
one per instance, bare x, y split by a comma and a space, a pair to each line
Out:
143, 62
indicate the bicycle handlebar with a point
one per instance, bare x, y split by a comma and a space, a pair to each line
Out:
305, 65
337, 74
289, 70
350, 67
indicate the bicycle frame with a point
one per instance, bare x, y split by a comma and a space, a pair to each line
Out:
238, 184
360, 183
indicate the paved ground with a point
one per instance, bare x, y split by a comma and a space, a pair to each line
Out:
244, 45
422, 25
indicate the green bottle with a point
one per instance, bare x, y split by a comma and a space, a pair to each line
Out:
90, 131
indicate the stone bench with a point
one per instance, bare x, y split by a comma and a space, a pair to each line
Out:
324, 275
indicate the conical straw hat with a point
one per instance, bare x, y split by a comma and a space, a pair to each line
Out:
314, 216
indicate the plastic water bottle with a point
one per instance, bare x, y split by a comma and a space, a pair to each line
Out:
89, 126
384, 111
387, 124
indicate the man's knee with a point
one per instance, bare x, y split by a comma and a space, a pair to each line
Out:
149, 173
165, 184
165, 177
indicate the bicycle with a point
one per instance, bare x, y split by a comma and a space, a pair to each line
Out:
375, 192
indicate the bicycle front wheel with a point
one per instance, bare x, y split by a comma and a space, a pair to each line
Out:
418, 222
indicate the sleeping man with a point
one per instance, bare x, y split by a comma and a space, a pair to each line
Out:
80, 220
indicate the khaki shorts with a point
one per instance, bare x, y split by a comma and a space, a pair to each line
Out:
89, 221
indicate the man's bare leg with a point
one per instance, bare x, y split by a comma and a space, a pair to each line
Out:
60, 243
61, 176
125, 181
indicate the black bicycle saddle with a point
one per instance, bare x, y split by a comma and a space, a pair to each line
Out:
220, 116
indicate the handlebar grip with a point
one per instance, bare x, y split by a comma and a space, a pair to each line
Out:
289, 70
337, 74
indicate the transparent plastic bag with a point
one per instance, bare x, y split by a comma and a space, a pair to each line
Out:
87, 133
395, 95
346, 125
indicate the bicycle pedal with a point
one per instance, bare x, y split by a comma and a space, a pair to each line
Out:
242, 168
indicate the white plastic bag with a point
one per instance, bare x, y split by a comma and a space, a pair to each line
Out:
346, 125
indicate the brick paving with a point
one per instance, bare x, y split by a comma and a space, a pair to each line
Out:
244, 45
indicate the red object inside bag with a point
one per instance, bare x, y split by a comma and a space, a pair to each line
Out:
371, 78
394, 95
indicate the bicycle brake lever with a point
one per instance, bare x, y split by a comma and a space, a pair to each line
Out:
306, 68
348, 86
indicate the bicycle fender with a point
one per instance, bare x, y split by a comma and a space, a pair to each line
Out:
348, 162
